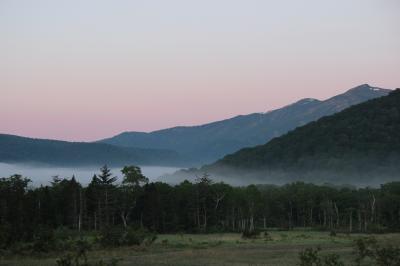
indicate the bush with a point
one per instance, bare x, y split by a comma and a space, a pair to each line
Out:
250, 234
138, 237
67, 244
389, 256
82, 247
63, 234
266, 236
377, 229
70, 260
383, 256
111, 236
364, 248
43, 240
79, 257
111, 262
5, 236
312, 257
134, 237
332, 260
66, 260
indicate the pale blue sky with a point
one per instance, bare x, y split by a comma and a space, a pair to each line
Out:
145, 65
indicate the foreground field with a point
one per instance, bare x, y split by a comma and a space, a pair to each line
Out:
278, 248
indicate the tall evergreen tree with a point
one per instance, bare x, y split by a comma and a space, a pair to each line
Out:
105, 182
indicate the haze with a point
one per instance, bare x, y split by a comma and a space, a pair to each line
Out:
43, 175
85, 70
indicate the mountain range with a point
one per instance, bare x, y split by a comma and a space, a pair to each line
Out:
360, 143
209, 142
183, 146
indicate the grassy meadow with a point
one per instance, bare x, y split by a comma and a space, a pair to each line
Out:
275, 248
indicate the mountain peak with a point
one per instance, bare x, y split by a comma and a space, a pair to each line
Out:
307, 100
367, 88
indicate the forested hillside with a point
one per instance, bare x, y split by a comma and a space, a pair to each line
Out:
358, 140
15, 149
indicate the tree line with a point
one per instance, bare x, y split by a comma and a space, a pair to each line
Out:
196, 207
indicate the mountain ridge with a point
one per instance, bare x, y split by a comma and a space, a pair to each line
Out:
361, 141
208, 142
18, 149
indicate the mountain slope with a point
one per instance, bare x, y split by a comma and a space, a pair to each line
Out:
208, 142
15, 149
363, 139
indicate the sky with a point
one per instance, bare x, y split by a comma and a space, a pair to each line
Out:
83, 70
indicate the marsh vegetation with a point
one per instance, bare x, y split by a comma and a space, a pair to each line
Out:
273, 248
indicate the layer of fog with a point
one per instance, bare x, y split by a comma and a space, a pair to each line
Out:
43, 175
235, 177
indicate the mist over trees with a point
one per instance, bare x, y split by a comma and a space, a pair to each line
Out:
201, 206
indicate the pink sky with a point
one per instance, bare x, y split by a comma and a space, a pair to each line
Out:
84, 71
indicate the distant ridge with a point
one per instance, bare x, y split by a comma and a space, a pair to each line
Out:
16, 149
209, 142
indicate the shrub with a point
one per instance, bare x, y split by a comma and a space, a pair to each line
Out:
377, 229
5, 235
70, 260
388, 256
364, 247
134, 237
67, 244
111, 236
250, 234
332, 260
64, 234
138, 237
82, 247
111, 262
312, 257
267, 237
20, 248
79, 257
66, 260
302, 236
43, 240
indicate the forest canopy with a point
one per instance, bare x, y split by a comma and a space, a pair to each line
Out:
202, 206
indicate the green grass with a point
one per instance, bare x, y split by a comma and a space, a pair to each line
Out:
280, 248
